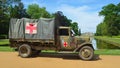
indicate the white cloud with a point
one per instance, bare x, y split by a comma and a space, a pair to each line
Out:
86, 19
28, 2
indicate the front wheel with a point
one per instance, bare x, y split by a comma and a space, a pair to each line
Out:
86, 53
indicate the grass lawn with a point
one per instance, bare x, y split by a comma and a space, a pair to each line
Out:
100, 52
112, 40
108, 52
4, 45
4, 42
5, 48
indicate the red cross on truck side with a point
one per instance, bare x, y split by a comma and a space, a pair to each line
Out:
31, 27
65, 44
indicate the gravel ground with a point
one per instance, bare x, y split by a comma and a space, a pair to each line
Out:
51, 60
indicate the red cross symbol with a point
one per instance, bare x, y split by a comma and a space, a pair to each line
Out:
31, 28
65, 44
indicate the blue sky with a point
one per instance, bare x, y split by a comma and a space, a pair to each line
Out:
85, 12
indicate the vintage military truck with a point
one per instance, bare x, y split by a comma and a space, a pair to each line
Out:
30, 36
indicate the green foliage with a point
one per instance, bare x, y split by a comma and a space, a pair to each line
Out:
74, 26
18, 11
101, 29
35, 11
64, 21
111, 24
3, 16
8, 9
69, 21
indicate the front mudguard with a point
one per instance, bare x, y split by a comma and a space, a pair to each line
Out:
82, 45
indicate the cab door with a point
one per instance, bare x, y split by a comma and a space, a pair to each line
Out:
66, 40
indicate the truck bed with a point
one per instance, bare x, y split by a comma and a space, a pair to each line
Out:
33, 29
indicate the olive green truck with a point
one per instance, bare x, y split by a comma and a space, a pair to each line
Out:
30, 36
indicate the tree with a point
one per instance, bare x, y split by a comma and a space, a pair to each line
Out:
101, 29
74, 26
111, 22
64, 21
18, 11
34, 11
5, 14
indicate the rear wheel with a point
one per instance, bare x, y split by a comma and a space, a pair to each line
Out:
25, 51
86, 53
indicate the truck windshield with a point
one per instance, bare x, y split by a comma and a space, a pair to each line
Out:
64, 32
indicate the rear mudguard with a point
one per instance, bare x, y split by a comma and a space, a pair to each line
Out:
82, 45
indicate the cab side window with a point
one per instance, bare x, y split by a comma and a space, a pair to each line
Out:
64, 32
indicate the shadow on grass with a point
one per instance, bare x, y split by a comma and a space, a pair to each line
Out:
4, 45
66, 56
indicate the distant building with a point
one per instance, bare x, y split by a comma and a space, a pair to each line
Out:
87, 34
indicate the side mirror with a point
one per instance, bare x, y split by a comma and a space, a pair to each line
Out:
72, 35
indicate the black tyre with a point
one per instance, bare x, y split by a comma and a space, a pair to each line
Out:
86, 53
25, 51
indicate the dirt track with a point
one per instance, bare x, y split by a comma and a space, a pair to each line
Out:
45, 60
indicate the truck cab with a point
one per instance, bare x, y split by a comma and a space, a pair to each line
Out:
80, 44
67, 40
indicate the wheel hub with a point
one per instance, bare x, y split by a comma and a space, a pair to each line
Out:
86, 53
